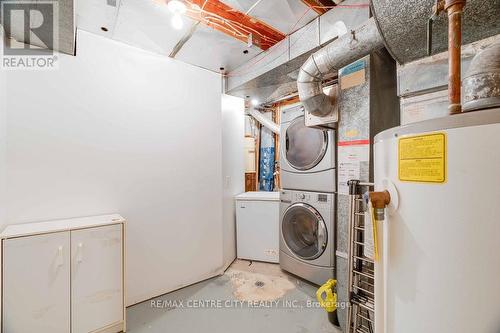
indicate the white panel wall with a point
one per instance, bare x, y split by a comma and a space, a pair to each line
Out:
233, 169
118, 129
3, 133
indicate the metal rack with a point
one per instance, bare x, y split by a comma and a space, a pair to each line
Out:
361, 285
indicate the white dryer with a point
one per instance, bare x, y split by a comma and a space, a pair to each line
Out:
307, 234
307, 154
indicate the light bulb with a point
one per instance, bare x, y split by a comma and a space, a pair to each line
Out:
177, 22
177, 7
254, 102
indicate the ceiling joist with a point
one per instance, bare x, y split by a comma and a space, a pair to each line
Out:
234, 23
319, 6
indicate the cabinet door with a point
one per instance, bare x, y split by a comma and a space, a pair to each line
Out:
96, 273
36, 277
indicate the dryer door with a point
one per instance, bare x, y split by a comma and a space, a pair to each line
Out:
304, 231
304, 147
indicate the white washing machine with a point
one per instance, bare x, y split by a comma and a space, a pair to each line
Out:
307, 234
307, 154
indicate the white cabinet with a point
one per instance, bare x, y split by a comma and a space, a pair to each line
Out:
64, 276
96, 278
35, 284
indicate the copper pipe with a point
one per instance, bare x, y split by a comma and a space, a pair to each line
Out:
380, 199
455, 10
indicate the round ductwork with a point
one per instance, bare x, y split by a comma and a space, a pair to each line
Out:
403, 25
481, 84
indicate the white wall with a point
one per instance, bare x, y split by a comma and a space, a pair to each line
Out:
118, 129
233, 169
3, 135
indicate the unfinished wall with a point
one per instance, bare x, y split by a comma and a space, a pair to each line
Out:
118, 129
233, 169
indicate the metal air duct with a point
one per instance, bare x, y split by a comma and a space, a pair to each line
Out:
482, 82
403, 25
402, 29
341, 52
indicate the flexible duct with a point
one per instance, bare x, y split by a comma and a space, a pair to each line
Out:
341, 52
271, 125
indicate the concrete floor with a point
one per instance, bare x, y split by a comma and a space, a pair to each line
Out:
249, 297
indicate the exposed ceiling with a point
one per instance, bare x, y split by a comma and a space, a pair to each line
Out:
147, 24
284, 15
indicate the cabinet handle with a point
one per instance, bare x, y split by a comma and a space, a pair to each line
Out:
79, 252
60, 257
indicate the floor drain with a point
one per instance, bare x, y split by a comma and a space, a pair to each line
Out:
259, 284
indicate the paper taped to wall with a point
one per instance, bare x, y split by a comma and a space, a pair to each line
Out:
353, 162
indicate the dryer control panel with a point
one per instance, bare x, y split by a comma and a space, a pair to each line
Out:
288, 114
307, 197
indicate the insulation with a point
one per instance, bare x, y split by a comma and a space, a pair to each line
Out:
403, 25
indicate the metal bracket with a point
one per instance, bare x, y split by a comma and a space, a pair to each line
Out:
437, 9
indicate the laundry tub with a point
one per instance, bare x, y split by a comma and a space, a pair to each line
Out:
257, 226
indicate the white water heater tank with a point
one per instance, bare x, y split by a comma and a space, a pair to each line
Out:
439, 265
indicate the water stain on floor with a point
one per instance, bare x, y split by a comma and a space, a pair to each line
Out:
250, 285
247, 282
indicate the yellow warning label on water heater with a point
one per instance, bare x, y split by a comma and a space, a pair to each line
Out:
423, 158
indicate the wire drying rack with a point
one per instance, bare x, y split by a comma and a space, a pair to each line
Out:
361, 285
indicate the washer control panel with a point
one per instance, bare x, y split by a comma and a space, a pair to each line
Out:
302, 197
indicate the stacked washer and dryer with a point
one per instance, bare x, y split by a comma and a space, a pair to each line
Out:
307, 208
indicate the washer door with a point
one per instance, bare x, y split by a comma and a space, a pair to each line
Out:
305, 147
304, 231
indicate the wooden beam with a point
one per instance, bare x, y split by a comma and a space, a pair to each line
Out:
234, 23
277, 149
257, 156
319, 6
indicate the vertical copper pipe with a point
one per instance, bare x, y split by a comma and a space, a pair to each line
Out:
455, 10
